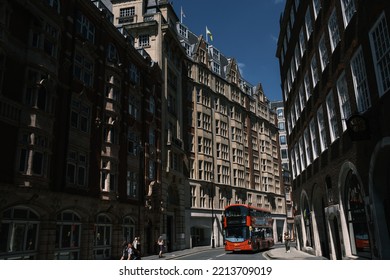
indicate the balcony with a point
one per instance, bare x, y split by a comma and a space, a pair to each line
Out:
127, 19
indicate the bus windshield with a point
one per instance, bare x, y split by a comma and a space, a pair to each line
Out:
235, 211
236, 234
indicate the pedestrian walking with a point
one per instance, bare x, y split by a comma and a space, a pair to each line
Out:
125, 250
160, 243
287, 241
137, 248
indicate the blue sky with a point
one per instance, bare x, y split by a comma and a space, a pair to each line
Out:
246, 30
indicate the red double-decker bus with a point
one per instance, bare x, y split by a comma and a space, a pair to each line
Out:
247, 228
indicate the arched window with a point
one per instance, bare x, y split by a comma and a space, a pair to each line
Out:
128, 229
357, 218
307, 223
68, 231
19, 233
102, 237
112, 54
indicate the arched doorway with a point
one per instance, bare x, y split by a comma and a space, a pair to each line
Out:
307, 222
334, 223
356, 217
379, 193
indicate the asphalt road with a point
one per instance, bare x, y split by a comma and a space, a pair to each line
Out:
221, 254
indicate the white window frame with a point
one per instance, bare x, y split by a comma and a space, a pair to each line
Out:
322, 129
334, 31
316, 8
348, 10
323, 53
314, 70
332, 117
308, 23
307, 146
360, 81
380, 47
344, 102
313, 135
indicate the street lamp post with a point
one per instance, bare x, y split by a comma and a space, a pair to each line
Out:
212, 211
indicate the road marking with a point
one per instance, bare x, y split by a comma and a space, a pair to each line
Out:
221, 255
209, 259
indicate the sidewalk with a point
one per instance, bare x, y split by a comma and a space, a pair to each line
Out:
294, 254
278, 253
175, 254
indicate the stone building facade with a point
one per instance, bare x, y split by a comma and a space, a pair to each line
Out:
80, 109
335, 76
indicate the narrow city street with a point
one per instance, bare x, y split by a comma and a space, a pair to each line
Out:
221, 254
218, 253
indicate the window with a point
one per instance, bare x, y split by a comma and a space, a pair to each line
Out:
332, 117
133, 146
193, 196
307, 146
313, 135
284, 153
216, 68
302, 41
360, 81
112, 88
280, 112
128, 228
314, 70
281, 126
380, 46
143, 41
102, 238
334, 33
283, 140
183, 31
83, 69
321, 129
348, 8
112, 53
108, 176
292, 160
76, 171
316, 8
308, 24
323, 53
297, 158
134, 74
33, 158
132, 184
302, 97
19, 233
80, 116
345, 105
37, 97
125, 12
307, 86
68, 232
302, 153
134, 108
85, 28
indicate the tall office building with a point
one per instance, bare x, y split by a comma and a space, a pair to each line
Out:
334, 65
153, 25
278, 108
219, 137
